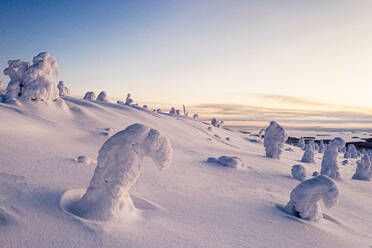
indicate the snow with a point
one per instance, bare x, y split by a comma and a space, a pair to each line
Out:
329, 162
305, 197
189, 205
298, 172
90, 95
301, 143
63, 90
351, 152
364, 169
275, 137
232, 162
102, 97
128, 100
322, 147
308, 156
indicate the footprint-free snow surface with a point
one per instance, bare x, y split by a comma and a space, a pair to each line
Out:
193, 204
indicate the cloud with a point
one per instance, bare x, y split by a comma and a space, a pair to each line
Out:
294, 100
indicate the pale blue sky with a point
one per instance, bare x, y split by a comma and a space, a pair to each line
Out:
197, 52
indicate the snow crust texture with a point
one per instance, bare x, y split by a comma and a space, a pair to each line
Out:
119, 164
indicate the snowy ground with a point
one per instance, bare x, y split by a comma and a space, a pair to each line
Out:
193, 204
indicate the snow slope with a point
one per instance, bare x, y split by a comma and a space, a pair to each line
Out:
193, 204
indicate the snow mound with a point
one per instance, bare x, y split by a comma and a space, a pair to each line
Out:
305, 198
119, 163
84, 160
32, 81
232, 162
329, 162
275, 137
298, 172
364, 169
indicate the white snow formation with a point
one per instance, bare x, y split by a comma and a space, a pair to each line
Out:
351, 152
33, 81
364, 169
305, 197
90, 95
298, 172
216, 123
233, 162
315, 173
196, 116
102, 97
329, 162
128, 100
172, 111
322, 147
261, 133
184, 111
119, 164
308, 156
63, 90
275, 137
301, 143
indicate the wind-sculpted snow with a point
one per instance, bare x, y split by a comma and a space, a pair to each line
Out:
102, 97
63, 90
232, 162
275, 137
301, 143
305, 198
90, 95
364, 169
308, 156
351, 152
119, 164
33, 81
322, 147
298, 172
329, 162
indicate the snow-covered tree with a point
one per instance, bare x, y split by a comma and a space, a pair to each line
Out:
2, 89
308, 156
275, 137
298, 172
305, 197
329, 162
184, 111
63, 90
119, 164
364, 169
216, 123
196, 116
301, 143
90, 95
351, 152
102, 97
128, 100
145, 106
261, 133
33, 81
322, 147
178, 112
172, 111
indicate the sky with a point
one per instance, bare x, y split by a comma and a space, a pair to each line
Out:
295, 61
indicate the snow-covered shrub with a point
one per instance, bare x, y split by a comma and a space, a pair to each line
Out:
322, 147
172, 111
232, 162
329, 162
119, 163
128, 100
305, 197
275, 137
158, 111
63, 90
196, 116
145, 106
102, 97
33, 81
364, 169
298, 172
178, 112
301, 143
90, 95
308, 156
351, 152
315, 173
216, 123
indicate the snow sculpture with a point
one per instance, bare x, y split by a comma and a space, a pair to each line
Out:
301, 143
329, 162
322, 147
308, 156
119, 163
172, 111
102, 97
33, 81
298, 172
275, 137
63, 90
128, 100
304, 199
351, 152
364, 169
90, 95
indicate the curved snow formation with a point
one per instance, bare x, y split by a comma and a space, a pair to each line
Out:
305, 198
298, 172
329, 161
308, 156
364, 169
119, 164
